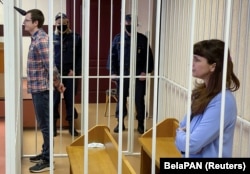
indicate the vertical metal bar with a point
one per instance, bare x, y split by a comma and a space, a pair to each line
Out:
62, 77
12, 161
190, 76
237, 54
169, 61
98, 61
83, 65
175, 34
187, 33
74, 70
222, 115
182, 36
238, 37
245, 64
172, 38
20, 97
51, 64
110, 51
179, 36
61, 50
157, 41
148, 79
86, 80
163, 62
133, 49
176, 48
121, 77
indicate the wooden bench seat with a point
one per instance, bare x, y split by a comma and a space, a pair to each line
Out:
165, 145
100, 160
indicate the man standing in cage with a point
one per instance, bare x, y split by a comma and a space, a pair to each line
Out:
144, 65
206, 103
67, 56
38, 82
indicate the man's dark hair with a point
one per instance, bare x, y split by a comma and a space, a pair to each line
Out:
37, 15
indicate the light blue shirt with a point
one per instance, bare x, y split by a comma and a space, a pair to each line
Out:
205, 129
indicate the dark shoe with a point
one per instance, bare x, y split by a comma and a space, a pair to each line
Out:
75, 132
70, 129
140, 129
42, 166
36, 159
116, 129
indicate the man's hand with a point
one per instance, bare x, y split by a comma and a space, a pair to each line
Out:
143, 76
71, 73
61, 88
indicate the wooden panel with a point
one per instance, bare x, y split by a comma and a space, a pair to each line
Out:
2, 109
165, 128
2, 86
105, 157
29, 119
165, 137
98, 160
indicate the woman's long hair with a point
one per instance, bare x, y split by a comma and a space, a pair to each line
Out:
213, 51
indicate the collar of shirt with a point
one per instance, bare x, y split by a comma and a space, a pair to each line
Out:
35, 34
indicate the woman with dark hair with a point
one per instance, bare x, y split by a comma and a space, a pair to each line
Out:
206, 103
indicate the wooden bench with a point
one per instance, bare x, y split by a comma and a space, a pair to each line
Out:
100, 160
165, 145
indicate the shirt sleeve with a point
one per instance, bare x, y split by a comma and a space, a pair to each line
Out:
43, 49
207, 129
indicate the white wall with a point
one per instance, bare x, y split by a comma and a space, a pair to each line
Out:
59, 6
145, 15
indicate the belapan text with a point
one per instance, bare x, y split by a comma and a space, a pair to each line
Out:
184, 165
